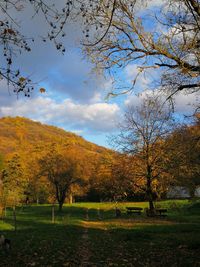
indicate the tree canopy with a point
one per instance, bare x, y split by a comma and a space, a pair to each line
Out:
13, 41
115, 33
165, 38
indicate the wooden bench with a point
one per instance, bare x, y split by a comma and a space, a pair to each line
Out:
161, 212
134, 210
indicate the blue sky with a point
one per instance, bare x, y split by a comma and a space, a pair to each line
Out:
75, 96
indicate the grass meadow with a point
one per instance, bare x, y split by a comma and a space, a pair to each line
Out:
89, 234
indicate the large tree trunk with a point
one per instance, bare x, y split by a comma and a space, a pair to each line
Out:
60, 205
60, 196
61, 200
150, 192
151, 204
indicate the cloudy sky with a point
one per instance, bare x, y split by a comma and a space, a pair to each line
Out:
75, 97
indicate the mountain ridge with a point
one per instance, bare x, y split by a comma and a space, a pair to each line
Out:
15, 132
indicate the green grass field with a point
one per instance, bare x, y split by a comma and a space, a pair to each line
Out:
88, 234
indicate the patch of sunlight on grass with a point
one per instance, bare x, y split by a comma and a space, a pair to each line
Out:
124, 224
5, 226
107, 205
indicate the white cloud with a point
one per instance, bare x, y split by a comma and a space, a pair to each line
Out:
132, 70
155, 3
98, 117
184, 104
142, 79
142, 6
136, 100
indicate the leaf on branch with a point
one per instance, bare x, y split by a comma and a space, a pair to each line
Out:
42, 90
22, 79
184, 70
193, 74
10, 31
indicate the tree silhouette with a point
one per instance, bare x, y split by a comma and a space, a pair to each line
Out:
165, 39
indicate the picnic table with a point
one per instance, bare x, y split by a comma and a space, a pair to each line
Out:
134, 210
161, 212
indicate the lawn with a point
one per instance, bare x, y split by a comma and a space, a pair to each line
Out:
88, 234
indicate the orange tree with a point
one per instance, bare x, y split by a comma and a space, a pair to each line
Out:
63, 170
182, 151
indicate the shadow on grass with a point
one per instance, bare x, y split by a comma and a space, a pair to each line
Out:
38, 242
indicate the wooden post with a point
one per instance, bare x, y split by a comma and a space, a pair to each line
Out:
15, 218
87, 214
53, 213
99, 214
2, 212
5, 211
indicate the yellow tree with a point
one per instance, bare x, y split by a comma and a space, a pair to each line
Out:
14, 183
114, 177
38, 185
101, 182
14, 180
1, 185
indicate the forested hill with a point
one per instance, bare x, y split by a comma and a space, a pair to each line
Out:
21, 133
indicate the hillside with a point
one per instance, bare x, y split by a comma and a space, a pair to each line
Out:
21, 133
28, 149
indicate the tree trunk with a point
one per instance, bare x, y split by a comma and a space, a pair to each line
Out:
53, 213
151, 204
60, 205
70, 198
14, 218
149, 191
60, 196
192, 191
5, 211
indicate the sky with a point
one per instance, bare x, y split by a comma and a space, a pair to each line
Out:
75, 97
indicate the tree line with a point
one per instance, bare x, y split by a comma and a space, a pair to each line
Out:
153, 153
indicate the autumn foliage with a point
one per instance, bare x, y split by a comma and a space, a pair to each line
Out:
46, 162
41, 163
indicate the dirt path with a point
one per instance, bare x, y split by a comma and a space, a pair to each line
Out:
84, 252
